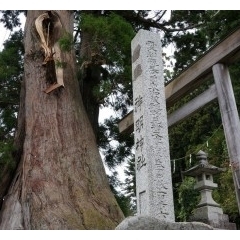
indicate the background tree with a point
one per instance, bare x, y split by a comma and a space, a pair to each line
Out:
11, 70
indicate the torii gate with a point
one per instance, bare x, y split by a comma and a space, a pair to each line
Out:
213, 63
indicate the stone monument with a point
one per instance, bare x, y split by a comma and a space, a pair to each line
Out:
155, 209
153, 169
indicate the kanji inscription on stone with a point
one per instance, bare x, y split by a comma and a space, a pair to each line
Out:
152, 158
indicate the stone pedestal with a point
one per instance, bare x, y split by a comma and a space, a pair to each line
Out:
150, 223
213, 216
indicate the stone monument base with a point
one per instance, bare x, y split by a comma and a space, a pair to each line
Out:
151, 223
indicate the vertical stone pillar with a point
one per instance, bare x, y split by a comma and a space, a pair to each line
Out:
153, 169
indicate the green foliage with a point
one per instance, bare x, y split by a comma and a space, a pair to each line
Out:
111, 36
130, 182
59, 64
188, 199
226, 189
124, 201
115, 147
102, 90
219, 24
208, 27
66, 42
6, 159
10, 18
218, 156
11, 68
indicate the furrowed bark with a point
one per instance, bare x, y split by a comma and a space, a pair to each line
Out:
60, 182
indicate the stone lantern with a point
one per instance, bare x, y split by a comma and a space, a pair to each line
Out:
207, 211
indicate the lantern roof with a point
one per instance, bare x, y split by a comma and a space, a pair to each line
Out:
202, 167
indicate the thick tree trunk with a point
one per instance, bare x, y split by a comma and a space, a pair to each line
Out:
60, 182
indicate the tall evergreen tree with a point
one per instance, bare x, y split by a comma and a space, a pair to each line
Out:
11, 70
60, 182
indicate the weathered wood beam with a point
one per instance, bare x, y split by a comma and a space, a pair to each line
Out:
230, 120
225, 51
192, 106
126, 124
